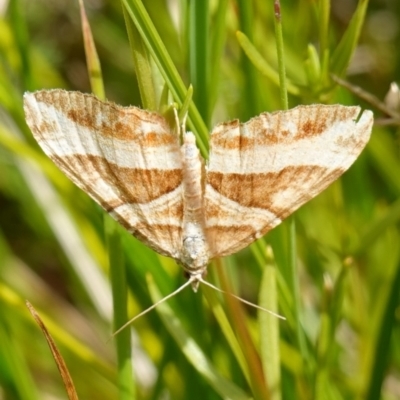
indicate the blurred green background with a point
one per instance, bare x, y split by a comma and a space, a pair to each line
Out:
337, 278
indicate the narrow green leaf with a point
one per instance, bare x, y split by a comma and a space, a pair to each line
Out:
126, 383
186, 104
218, 38
154, 44
198, 26
323, 19
280, 50
313, 68
251, 88
261, 64
382, 345
341, 56
269, 330
14, 366
219, 313
142, 63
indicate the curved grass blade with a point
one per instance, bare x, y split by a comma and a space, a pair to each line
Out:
62, 367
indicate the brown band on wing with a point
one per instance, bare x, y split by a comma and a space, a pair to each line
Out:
272, 128
236, 231
107, 119
134, 185
259, 189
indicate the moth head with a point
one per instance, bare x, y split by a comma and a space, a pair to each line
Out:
195, 277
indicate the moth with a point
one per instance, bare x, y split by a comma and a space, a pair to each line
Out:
133, 164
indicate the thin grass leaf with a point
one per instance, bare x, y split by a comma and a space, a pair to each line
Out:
198, 26
142, 63
290, 225
324, 343
261, 64
218, 37
313, 68
251, 85
126, 382
323, 8
382, 345
280, 55
14, 366
227, 330
341, 56
185, 105
21, 38
167, 69
269, 330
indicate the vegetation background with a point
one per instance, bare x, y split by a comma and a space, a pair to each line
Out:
333, 269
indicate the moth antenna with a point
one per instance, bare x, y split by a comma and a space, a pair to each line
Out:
240, 299
190, 280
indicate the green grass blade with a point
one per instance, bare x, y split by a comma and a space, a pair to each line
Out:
227, 330
218, 38
117, 267
382, 346
323, 28
251, 85
261, 64
280, 55
341, 56
21, 38
142, 63
16, 377
269, 331
198, 26
154, 44
290, 225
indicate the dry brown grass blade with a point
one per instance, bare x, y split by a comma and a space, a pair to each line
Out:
62, 367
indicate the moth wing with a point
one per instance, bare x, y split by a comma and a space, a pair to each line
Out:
262, 171
125, 158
